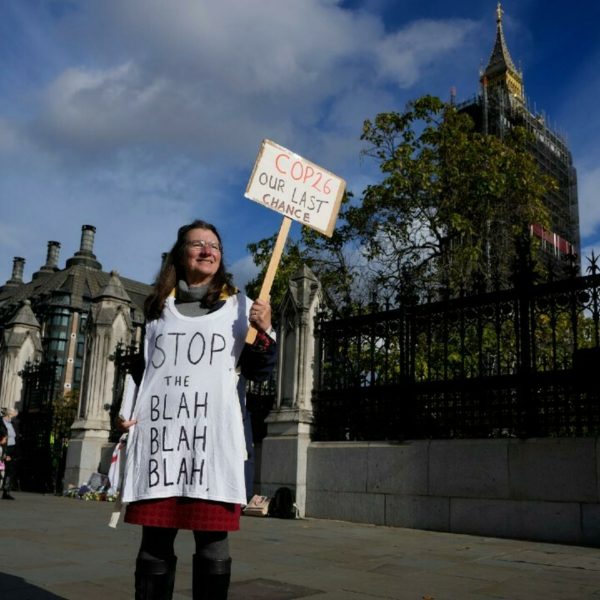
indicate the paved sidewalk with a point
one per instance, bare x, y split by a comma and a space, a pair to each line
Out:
54, 548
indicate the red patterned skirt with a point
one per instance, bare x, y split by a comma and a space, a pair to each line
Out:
184, 513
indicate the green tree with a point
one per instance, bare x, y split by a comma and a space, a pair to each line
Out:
329, 258
64, 411
291, 261
446, 216
452, 203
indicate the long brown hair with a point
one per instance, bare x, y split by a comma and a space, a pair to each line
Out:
172, 271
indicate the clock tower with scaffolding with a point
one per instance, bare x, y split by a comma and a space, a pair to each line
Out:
502, 104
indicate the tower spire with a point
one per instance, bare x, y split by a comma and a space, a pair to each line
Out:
501, 71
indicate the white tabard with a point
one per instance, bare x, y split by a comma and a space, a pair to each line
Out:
189, 436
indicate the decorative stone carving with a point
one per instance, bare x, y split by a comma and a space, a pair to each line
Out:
21, 342
284, 449
109, 323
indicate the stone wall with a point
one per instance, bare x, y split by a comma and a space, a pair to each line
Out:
538, 489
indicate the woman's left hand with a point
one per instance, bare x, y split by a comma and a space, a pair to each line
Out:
124, 425
260, 315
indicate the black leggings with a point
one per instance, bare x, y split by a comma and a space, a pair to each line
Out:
158, 543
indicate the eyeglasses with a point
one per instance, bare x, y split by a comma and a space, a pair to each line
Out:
202, 244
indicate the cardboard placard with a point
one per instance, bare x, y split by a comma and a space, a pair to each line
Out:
295, 187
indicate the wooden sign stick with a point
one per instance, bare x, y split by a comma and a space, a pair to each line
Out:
265, 289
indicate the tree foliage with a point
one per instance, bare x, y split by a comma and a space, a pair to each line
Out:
445, 217
330, 259
452, 203
64, 411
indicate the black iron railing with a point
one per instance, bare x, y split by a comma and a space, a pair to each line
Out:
126, 359
40, 460
260, 400
519, 362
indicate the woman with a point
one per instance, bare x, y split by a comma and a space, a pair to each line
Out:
186, 447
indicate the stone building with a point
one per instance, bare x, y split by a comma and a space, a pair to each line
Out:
73, 318
502, 104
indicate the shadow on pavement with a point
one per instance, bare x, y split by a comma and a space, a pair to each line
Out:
267, 589
16, 588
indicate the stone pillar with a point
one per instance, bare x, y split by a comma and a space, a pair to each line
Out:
85, 255
88, 232
52, 256
108, 324
284, 449
51, 265
21, 342
17, 272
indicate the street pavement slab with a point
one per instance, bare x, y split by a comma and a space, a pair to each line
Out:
59, 548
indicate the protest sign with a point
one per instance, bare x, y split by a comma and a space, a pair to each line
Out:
295, 187
298, 189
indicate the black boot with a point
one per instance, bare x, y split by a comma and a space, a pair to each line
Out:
211, 578
154, 578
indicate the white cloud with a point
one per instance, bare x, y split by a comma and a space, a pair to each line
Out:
589, 201
200, 75
243, 270
579, 117
82, 103
9, 138
158, 121
404, 55
13, 143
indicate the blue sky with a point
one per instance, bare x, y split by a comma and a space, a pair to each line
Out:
137, 116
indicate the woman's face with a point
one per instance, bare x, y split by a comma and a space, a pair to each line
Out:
201, 256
